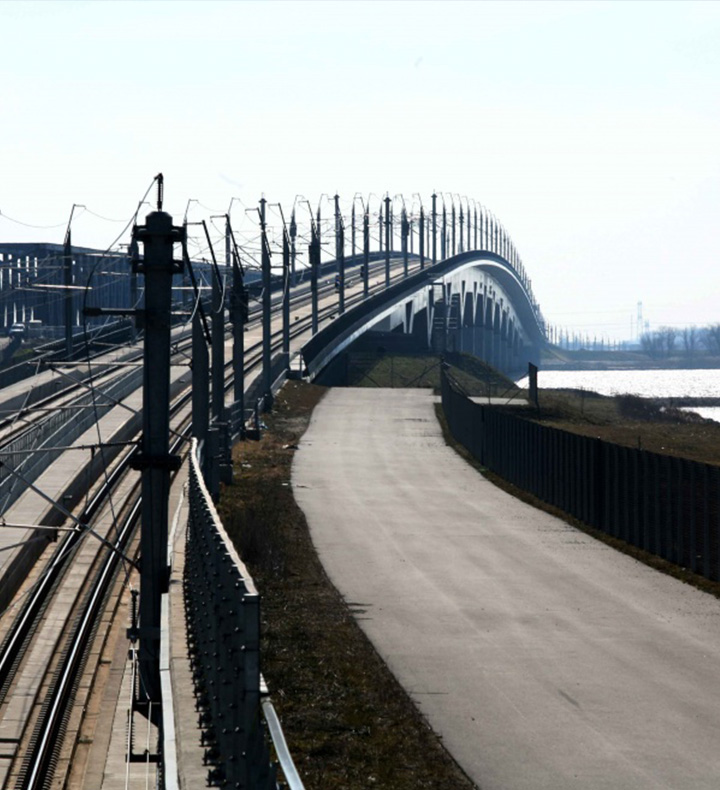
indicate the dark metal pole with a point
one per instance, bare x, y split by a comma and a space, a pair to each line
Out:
469, 243
434, 228
239, 319
404, 232
380, 229
366, 252
388, 231
134, 255
200, 381
69, 301
314, 265
352, 232
462, 227
453, 248
340, 255
421, 238
286, 299
444, 239
293, 252
157, 235
266, 308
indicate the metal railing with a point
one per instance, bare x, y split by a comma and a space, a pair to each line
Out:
223, 614
664, 505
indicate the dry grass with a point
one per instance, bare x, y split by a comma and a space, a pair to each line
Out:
631, 421
348, 722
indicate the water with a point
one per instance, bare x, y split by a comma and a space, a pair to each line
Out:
703, 383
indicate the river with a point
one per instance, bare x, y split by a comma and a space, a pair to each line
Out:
700, 383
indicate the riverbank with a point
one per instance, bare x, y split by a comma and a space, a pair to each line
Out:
561, 359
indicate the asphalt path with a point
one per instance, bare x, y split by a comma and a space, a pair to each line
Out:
542, 657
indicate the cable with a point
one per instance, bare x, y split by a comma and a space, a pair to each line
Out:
28, 225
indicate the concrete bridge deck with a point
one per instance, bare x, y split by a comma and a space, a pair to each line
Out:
544, 658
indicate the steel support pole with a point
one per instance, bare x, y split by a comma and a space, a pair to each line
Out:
69, 302
266, 311
453, 248
286, 300
404, 232
314, 253
239, 319
366, 252
388, 231
380, 229
134, 254
434, 228
352, 232
421, 238
444, 237
157, 235
293, 251
462, 228
340, 255
200, 381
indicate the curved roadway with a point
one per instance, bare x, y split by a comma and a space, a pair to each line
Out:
542, 657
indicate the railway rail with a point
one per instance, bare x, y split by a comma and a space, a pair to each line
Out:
66, 603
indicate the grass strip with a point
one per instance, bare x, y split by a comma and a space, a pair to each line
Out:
348, 722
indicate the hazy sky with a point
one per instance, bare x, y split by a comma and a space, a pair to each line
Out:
590, 129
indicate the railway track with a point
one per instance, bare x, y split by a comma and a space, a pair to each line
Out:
70, 599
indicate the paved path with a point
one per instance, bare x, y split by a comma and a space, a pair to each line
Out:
543, 658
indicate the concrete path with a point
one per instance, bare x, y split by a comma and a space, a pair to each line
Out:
542, 657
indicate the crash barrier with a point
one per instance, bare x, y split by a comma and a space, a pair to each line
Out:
665, 505
223, 618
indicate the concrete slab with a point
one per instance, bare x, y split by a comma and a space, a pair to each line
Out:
543, 658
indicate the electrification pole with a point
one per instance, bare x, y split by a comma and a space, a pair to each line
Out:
434, 228
293, 252
158, 236
314, 254
443, 238
68, 301
462, 227
340, 255
266, 308
286, 297
366, 252
238, 317
421, 238
388, 230
404, 230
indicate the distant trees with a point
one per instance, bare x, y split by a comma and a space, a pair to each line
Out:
663, 342
660, 343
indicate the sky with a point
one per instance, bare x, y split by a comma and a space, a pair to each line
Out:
590, 129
